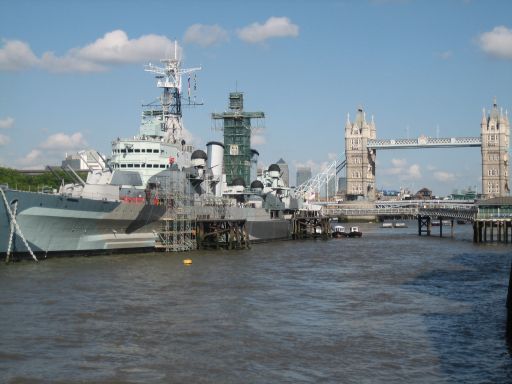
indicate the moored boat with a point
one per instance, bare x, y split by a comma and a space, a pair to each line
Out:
339, 232
354, 232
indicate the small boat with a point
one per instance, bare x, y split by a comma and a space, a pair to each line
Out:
354, 232
437, 223
387, 225
339, 232
400, 225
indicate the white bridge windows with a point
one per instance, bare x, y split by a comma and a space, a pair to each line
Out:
493, 187
492, 140
357, 189
493, 172
355, 144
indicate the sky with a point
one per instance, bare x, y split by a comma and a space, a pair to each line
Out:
72, 76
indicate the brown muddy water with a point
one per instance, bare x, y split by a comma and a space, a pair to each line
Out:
390, 307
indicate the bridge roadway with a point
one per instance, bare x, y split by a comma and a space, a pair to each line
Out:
455, 209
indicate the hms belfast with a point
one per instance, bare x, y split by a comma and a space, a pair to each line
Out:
154, 189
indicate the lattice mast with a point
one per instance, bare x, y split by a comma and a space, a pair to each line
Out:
169, 78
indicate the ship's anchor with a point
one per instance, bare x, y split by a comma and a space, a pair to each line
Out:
14, 228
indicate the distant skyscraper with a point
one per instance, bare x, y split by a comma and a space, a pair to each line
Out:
285, 172
342, 184
303, 175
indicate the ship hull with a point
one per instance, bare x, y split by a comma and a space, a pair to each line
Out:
55, 224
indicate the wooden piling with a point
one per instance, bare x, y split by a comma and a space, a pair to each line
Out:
222, 234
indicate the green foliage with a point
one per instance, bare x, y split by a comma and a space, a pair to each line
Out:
24, 182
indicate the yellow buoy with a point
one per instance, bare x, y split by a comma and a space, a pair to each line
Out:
187, 261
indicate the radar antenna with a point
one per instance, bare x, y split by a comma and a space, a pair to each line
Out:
169, 77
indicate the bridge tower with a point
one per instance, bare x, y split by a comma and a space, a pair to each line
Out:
495, 131
360, 159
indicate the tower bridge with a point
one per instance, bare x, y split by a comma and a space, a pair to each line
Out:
361, 145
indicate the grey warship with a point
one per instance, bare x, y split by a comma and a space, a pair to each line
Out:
149, 178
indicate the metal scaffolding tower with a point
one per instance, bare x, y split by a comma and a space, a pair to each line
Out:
237, 137
177, 232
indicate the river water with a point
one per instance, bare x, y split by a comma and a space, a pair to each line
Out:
390, 307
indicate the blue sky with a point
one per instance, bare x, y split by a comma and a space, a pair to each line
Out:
71, 76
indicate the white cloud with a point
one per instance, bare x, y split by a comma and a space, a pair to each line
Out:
402, 170
497, 43
258, 140
273, 27
313, 165
413, 172
61, 141
258, 136
444, 176
4, 140
445, 55
53, 63
6, 122
113, 48
205, 35
16, 55
52, 150
399, 162
33, 159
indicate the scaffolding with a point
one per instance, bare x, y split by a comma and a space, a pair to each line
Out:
177, 229
237, 128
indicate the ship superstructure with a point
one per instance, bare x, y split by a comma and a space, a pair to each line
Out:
160, 143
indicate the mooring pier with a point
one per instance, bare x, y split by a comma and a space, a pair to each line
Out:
310, 225
222, 234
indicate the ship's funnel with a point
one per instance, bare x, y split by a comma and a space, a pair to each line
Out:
214, 164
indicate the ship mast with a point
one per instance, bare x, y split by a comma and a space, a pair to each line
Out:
169, 78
